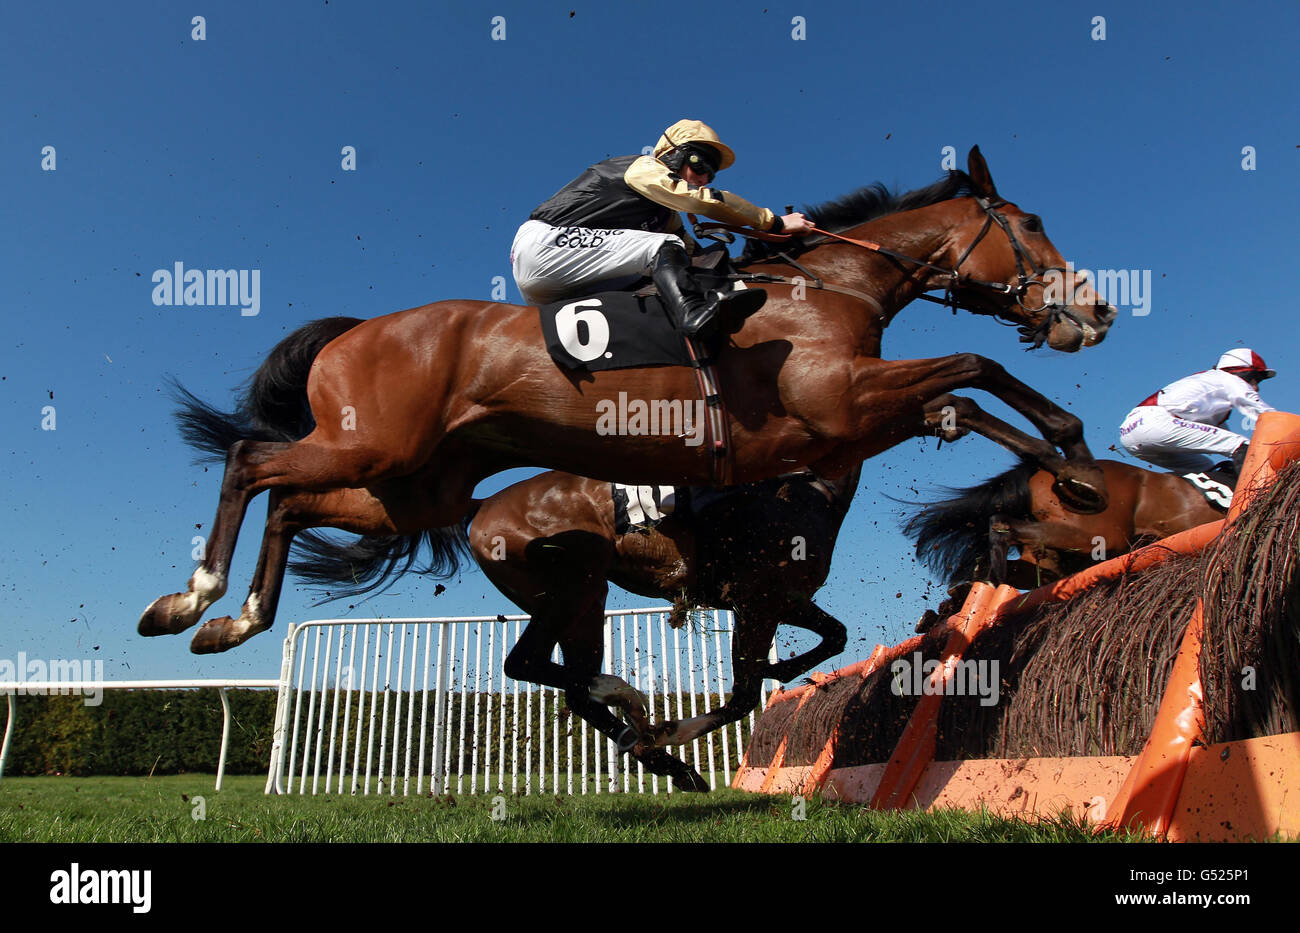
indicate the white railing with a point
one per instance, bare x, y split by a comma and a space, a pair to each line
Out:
395, 706
91, 687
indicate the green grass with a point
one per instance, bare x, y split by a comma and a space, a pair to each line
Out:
161, 809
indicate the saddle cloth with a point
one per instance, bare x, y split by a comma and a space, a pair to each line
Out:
1215, 484
641, 508
611, 330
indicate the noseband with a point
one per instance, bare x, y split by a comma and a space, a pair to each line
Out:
1051, 312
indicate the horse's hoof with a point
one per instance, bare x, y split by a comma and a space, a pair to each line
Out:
927, 620
658, 761
168, 615
1080, 496
957, 594
215, 636
627, 740
688, 779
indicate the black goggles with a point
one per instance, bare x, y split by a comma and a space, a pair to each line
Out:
701, 160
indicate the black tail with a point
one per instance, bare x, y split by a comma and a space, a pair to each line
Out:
952, 535
375, 562
273, 407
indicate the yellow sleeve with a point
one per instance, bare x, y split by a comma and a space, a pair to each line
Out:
650, 178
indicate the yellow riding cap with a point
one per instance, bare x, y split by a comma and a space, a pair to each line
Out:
693, 131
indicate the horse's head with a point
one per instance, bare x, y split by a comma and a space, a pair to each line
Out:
1007, 267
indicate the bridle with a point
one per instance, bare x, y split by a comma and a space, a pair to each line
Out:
1051, 312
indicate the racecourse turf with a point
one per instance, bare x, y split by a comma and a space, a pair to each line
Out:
185, 808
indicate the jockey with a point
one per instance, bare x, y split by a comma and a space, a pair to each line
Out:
1181, 426
618, 221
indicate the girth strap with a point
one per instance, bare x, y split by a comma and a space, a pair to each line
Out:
717, 429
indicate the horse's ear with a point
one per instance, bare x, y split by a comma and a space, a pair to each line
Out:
978, 170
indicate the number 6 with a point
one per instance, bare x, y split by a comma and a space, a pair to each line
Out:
566, 326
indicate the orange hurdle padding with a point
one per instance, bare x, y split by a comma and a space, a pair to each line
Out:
1150, 792
1275, 443
1185, 542
821, 768
915, 750
878, 656
778, 760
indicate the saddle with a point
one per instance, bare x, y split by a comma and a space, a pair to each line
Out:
632, 329
628, 328
640, 509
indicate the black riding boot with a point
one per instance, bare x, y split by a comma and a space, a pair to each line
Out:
694, 314
1238, 458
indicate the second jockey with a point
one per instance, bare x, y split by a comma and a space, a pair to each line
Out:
618, 221
1180, 428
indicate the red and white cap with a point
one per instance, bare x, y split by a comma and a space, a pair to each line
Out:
1244, 360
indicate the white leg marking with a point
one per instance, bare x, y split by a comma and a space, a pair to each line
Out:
205, 589
614, 691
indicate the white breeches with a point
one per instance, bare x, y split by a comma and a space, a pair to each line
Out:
1152, 434
550, 263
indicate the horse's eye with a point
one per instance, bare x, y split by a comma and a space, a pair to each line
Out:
1032, 224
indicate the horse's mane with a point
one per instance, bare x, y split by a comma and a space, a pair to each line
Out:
869, 202
952, 534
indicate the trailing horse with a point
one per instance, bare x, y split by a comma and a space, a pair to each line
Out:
409, 411
967, 537
552, 544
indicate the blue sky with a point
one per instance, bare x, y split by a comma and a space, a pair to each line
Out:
225, 153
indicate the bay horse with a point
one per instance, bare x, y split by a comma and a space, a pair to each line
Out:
552, 545
409, 411
967, 537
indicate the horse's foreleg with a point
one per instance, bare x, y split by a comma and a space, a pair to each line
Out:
582, 645
750, 646
1079, 480
1057, 425
808, 615
168, 615
588, 692
953, 416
